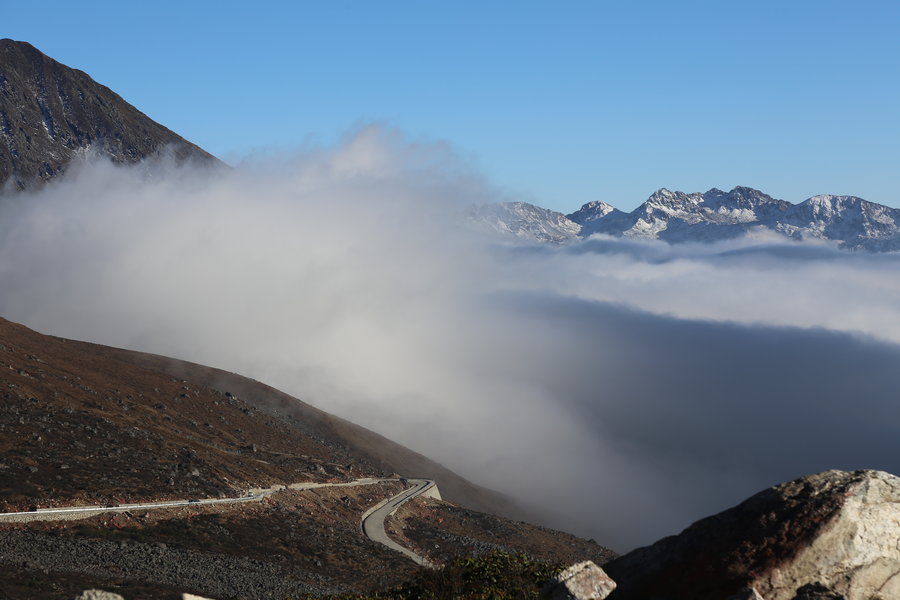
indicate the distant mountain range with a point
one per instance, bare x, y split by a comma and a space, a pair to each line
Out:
675, 217
49, 113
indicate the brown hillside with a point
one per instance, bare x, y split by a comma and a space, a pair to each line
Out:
84, 422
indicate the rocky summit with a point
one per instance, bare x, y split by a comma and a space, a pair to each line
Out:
834, 535
50, 113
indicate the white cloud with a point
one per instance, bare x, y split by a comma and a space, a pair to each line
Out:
623, 388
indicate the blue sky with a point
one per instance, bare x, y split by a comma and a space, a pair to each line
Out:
558, 103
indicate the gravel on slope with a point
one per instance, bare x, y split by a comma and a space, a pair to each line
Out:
216, 575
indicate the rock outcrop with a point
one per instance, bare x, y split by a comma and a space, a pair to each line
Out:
582, 581
49, 113
831, 535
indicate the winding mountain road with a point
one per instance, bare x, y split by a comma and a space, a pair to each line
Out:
372, 522
373, 519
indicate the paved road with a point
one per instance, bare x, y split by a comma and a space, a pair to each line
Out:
255, 495
48, 514
373, 520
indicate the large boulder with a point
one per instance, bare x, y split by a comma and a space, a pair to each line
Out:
581, 581
831, 535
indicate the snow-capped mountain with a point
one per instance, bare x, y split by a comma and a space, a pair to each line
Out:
526, 221
676, 217
680, 217
857, 223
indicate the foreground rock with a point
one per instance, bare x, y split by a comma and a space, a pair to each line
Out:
831, 535
582, 581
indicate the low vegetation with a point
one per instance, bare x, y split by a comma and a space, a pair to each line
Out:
492, 576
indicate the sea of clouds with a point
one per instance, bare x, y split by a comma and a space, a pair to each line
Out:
619, 389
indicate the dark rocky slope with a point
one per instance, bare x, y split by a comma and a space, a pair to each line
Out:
49, 113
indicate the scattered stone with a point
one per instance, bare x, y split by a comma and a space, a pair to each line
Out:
836, 533
581, 581
193, 597
98, 595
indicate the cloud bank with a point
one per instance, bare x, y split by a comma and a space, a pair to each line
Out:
620, 389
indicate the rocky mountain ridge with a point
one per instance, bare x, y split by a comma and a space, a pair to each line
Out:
677, 217
50, 114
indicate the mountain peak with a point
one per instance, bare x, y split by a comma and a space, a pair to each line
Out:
666, 195
670, 203
742, 189
49, 113
591, 211
9, 43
